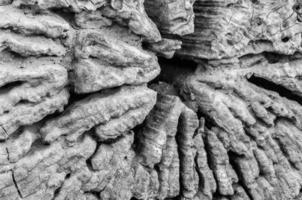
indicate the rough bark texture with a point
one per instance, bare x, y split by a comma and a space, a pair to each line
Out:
150, 99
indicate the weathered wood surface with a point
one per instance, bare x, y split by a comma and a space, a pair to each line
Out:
150, 99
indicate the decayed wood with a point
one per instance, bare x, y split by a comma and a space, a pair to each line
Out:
150, 99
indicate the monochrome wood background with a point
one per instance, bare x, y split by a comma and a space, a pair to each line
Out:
150, 100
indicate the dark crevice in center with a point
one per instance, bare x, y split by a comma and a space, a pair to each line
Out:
173, 68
